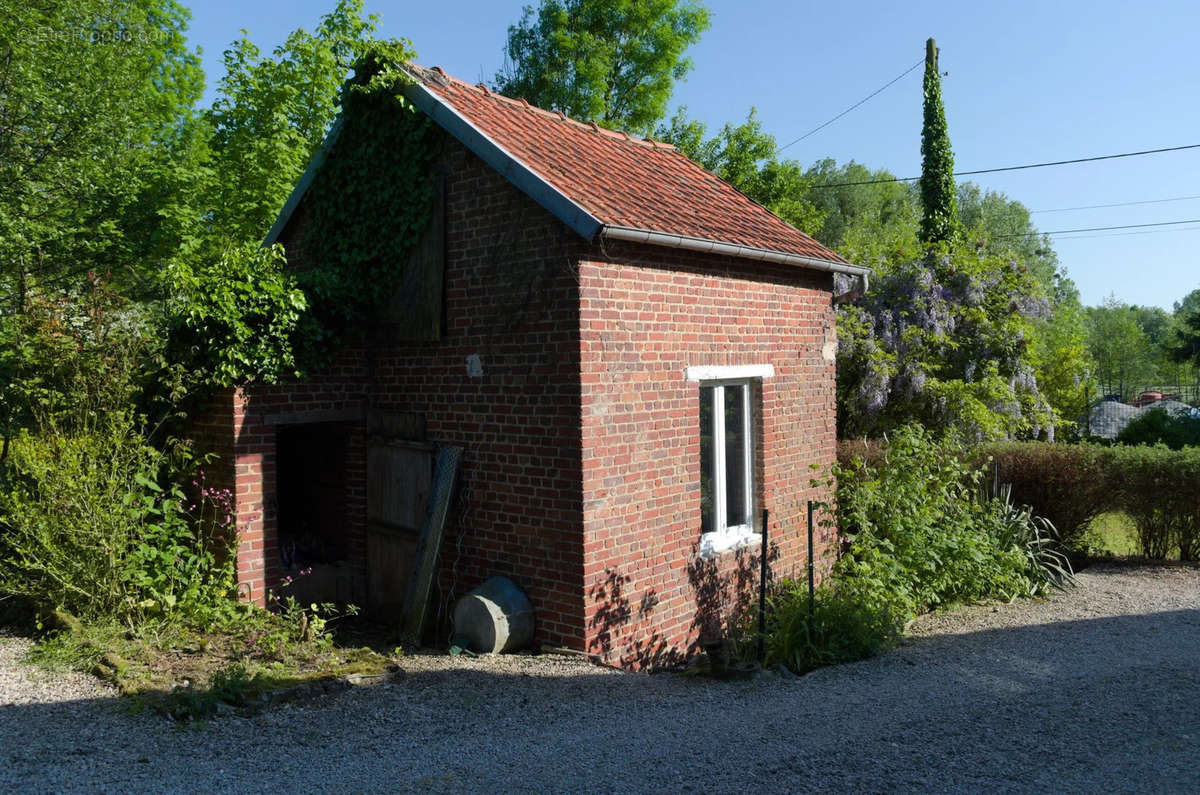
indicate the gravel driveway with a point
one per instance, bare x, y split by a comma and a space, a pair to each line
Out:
1098, 689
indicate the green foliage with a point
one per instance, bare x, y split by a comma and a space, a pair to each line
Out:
181, 561
944, 341
917, 535
745, 157
271, 115
71, 356
1046, 565
1068, 484
867, 224
232, 321
94, 98
1062, 362
1157, 426
1158, 487
844, 625
1124, 355
614, 62
87, 528
368, 205
1185, 340
939, 217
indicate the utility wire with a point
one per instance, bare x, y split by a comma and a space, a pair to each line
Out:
1128, 234
1018, 168
862, 101
1118, 204
1095, 229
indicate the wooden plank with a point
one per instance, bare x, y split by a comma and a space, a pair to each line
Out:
396, 425
429, 545
352, 414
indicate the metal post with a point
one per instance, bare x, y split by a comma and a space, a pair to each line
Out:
811, 592
762, 590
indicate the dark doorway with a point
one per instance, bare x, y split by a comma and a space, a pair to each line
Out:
311, 491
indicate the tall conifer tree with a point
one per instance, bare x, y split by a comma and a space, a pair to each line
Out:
939, 216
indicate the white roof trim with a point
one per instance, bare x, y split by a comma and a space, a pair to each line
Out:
722, 372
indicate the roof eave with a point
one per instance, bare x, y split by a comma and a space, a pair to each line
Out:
310, 173
705, 245
507, 164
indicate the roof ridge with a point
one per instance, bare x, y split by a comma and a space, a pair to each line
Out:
441, 77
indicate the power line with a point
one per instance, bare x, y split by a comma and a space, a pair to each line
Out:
1095, 229
1128, 234
872, 95
1018, 168
1117, 204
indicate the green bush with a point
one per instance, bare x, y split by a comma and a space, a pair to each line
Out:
85, 528
1067, 484
1072, 484
1160, 489
919, 532
232, 321
843, 625
1157, 426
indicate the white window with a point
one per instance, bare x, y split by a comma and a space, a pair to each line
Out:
726, 466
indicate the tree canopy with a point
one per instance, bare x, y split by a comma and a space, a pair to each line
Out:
614, 62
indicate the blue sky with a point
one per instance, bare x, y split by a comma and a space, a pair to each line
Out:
1028, 82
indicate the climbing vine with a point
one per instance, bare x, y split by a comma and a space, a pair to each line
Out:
368, 206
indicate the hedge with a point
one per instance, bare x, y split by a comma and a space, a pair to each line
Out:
1071, 484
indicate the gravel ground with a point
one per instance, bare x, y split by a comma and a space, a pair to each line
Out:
1097, 689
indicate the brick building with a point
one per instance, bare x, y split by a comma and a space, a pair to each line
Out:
635, 358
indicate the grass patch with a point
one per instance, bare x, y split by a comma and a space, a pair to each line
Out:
1114, 534
241, 665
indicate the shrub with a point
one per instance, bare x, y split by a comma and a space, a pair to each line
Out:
232, 320
85, 527
919, 533
844, 625
1158, 426
1160, 489
1067, 484
1072, 484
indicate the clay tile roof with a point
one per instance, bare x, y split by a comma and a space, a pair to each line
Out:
619, 180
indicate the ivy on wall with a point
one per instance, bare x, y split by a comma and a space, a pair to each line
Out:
368, 206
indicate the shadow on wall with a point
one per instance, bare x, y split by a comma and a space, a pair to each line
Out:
725, 590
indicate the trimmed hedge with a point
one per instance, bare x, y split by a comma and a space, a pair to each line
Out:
1067, 484
1072, 484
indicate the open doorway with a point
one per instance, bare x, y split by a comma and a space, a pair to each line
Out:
311, 492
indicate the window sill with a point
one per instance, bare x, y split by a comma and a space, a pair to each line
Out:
729, 540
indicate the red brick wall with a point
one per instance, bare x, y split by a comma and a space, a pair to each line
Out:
645, 316
580, 478
510, 299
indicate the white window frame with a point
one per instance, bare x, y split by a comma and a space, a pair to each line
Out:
724, 537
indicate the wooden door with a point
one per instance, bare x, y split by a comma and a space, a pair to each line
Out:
398, 483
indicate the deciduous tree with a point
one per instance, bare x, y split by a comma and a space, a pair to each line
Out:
614, 62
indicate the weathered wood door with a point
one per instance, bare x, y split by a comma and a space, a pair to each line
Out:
398, 483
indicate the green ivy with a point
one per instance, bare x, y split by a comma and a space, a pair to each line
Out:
232, 320
368, 206
939, 219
